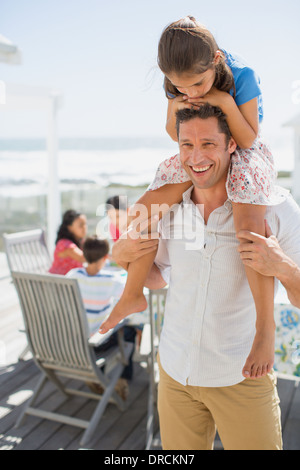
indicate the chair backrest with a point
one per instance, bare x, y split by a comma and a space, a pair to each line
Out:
27, 251
55, 322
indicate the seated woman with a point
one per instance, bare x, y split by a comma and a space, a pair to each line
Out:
68, 253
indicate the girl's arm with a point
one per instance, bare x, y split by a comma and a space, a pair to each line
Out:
242, 120
74, 253
180, 102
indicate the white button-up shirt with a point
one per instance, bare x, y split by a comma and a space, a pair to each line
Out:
209, 322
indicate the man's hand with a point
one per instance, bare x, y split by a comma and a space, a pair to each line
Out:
134, 243
263, 254
266, 256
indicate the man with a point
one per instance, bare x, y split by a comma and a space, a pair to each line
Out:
209, 322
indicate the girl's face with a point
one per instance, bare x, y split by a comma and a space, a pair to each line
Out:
79, 227
195, 86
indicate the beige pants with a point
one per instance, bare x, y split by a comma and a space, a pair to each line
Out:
247, 415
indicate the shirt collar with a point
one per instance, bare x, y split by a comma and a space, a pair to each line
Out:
186, 198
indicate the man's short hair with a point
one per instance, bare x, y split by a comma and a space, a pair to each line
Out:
95, 249
205, 111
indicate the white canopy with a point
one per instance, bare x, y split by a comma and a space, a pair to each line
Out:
15, 97
9, 53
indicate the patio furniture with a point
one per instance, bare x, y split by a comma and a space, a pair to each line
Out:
58, 335
151, 335
27, 252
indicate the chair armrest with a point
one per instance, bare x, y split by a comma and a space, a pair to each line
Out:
97, 339
145, 347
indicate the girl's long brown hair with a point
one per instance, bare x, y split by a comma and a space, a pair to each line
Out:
188, 46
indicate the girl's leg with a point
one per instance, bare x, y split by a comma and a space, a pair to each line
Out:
133, 299
261, 358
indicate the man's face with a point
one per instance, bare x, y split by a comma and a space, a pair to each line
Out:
204, 153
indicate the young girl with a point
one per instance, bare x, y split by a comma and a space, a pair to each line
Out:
197, 71
68, 253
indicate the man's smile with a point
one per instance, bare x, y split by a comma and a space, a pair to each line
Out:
200, 169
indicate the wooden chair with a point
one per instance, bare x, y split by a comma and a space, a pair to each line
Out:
157, 299
27, 251
58, 335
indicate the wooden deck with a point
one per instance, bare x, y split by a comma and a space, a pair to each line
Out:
116, 430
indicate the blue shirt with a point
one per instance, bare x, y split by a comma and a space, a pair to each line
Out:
247, 82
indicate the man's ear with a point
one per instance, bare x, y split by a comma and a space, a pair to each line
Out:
232, 145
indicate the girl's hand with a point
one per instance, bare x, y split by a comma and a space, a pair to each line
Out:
214, 97
182, 102
174, 105
134, 243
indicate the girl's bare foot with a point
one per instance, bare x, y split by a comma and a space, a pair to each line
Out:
261, 358
125, 306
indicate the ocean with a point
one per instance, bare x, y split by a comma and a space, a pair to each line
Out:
90, 171
130, 162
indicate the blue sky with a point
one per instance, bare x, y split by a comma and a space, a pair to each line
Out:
102, 56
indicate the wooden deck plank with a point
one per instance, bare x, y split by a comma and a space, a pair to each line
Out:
137, 438
45, 435
291, 434
286, 391
127, 423
46, 429
112, 418
14, 403
49, 399
13, 377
